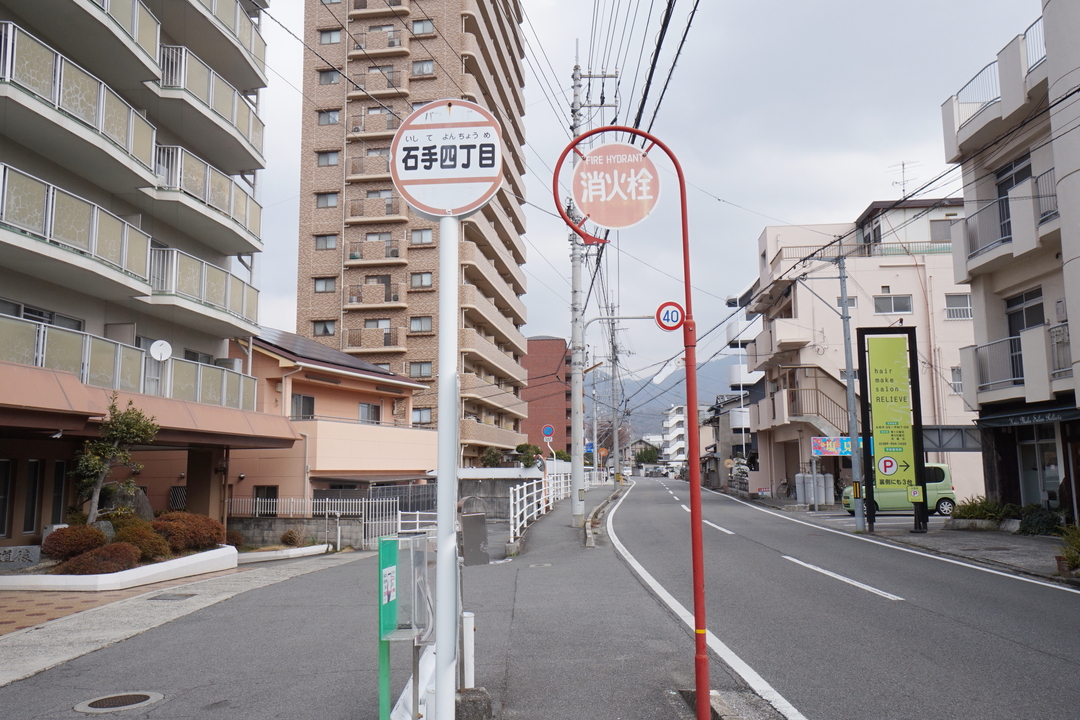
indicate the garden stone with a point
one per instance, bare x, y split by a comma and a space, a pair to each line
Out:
106, 527
142, 506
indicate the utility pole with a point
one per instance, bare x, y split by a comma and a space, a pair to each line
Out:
577, 332
849, 377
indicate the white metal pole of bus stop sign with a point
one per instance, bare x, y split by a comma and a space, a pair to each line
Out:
446, 161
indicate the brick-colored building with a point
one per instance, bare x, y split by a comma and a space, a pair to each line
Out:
368, 266
548, 391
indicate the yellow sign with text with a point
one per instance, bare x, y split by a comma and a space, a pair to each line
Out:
889, 382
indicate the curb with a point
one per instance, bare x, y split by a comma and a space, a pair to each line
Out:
594, 517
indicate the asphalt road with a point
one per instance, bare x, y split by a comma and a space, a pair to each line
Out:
914, 638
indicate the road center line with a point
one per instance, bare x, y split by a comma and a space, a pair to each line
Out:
674, 496
841, 578
723, 530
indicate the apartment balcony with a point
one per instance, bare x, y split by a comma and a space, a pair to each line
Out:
479, 64
488, 29
105, 363
348, 446
365, 9
380, 44
1007, 228
741, 332
780, 336
117, 38
369, 167
504, 228
474, 432
376, 341
1031, 367
205, 202
739, 378
370, 211
739, 419
483, 235
221, 33
196, 294
57, 109
373, 126
50, 234
478, 349
376, 296
480, 311
393, 84
813, 406
480, 272
485, 393
199, 105
367, 253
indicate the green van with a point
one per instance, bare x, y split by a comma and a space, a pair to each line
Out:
940, 497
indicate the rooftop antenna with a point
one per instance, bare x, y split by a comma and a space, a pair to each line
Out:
902, 167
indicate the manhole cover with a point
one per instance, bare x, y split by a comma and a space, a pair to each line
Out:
172, 596
119, 701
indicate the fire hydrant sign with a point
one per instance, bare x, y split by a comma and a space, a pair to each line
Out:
616, 186
891, 411
446, 158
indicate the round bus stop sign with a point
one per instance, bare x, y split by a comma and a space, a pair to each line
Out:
446, 158
616, 185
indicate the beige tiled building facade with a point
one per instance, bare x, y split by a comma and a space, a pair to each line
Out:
368, 266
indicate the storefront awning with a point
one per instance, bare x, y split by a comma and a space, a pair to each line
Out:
1030, 417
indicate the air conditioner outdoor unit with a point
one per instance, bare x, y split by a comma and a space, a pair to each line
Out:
356, 128
234, 364
393, 252
394, 298
353, 299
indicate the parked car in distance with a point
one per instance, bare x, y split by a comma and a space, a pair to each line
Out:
940, 497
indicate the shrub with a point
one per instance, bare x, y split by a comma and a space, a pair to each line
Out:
75, 517
187, 531
1037, 520
291, 538
66, 543
978, 508
141, 534
234, 538
1070, 546
106, 559
1011, 511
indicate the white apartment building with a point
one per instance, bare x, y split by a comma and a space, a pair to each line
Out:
130, 140
673, 450
899, 263
1012, 136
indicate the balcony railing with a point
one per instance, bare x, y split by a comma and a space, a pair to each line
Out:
176, 273
375, 122
811, 401
958, 313
375, 4
885, 249
988, 227
1046, 192
1060, 351
178, 169
381, 81
105, 363
374, 293
183, 70
376, 207
35, 67
370, 164
378, 40
232, 15
981, 90
375, 338
46, 212
138, 22
1000, 364
1036, 44
374, 250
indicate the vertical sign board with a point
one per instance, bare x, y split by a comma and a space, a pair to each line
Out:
388, 563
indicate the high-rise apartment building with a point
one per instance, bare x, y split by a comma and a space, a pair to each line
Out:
130, 138
368, 275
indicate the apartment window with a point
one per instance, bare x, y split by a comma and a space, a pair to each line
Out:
325, 242
941, 231
329, 37
32, 499
421, 416
378, 152
892, 304
383, 366
957, 383
325, 285
5, 495
370, 413
199, 357
420, 280
420, 324
380, 28
1024, 311
423, 67
378, 237
329, 77
28, 312
423, 27
323, 328
326, 200
329, 117
330, 2
851, 302
958, 306
420, 369
303, 407
327, 158
421, 237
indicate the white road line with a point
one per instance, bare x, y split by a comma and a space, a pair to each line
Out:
841, 578
723, 530
750, 676
686, 508
674, 496
783, 516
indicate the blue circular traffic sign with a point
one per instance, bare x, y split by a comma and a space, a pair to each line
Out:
548, 431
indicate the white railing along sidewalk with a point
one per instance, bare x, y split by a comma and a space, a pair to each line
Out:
531, 500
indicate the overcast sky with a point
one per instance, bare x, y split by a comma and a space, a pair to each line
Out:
780, 111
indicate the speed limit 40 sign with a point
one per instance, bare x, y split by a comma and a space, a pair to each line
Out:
670, 316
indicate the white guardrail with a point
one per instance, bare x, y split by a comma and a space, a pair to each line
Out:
531, 500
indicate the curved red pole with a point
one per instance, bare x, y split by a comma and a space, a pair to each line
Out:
701, 656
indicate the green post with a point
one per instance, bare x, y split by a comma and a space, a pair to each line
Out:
388, 557
384, 680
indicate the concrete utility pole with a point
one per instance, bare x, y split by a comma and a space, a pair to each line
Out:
849, 377
577, 332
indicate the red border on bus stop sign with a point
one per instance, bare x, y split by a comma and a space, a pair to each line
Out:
668, 325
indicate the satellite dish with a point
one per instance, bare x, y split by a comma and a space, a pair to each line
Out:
160, 350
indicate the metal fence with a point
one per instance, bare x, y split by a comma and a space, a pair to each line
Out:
531, 500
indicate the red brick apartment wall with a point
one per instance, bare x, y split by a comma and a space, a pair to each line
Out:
548, 392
